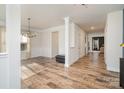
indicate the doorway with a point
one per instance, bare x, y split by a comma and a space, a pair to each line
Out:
55, 43
97, 43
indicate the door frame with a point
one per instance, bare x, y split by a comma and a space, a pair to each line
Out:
52, 43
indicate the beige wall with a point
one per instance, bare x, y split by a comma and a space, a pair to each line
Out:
55, 43
2, 40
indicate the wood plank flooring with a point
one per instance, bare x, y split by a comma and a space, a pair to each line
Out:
88, 72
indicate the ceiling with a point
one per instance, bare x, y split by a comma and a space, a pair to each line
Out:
48, 15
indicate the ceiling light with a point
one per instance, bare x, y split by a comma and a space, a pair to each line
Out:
28, 33
92, 27
85, 5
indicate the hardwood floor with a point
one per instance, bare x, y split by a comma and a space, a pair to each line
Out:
87, 72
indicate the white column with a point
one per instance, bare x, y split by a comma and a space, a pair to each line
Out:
13, 22
113, 39
67, 49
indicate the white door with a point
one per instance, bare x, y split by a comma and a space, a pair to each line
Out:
55, 43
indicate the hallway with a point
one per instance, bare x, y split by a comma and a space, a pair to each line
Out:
88, 72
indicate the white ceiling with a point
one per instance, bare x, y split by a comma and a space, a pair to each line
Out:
44, 16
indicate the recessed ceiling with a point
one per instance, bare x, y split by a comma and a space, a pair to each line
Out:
48, 15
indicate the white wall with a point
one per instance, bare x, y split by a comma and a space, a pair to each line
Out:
42, 44
76, 44
93, 34
113, 39
4, 71
13, 24
38, 44
82, 43
10, 75
67, 41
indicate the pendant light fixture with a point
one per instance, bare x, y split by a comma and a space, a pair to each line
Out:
29, 33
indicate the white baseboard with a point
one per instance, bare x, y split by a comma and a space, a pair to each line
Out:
110, 68
66, 65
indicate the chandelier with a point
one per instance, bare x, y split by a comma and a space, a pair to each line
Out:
29, 33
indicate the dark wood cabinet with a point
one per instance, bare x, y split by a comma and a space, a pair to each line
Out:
122, 72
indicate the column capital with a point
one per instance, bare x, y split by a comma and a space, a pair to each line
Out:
66, 18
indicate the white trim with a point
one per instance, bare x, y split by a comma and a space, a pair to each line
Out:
113, 69
67, 49
3, 55
13, 39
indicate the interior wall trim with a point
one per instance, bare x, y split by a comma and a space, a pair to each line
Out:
123, 32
